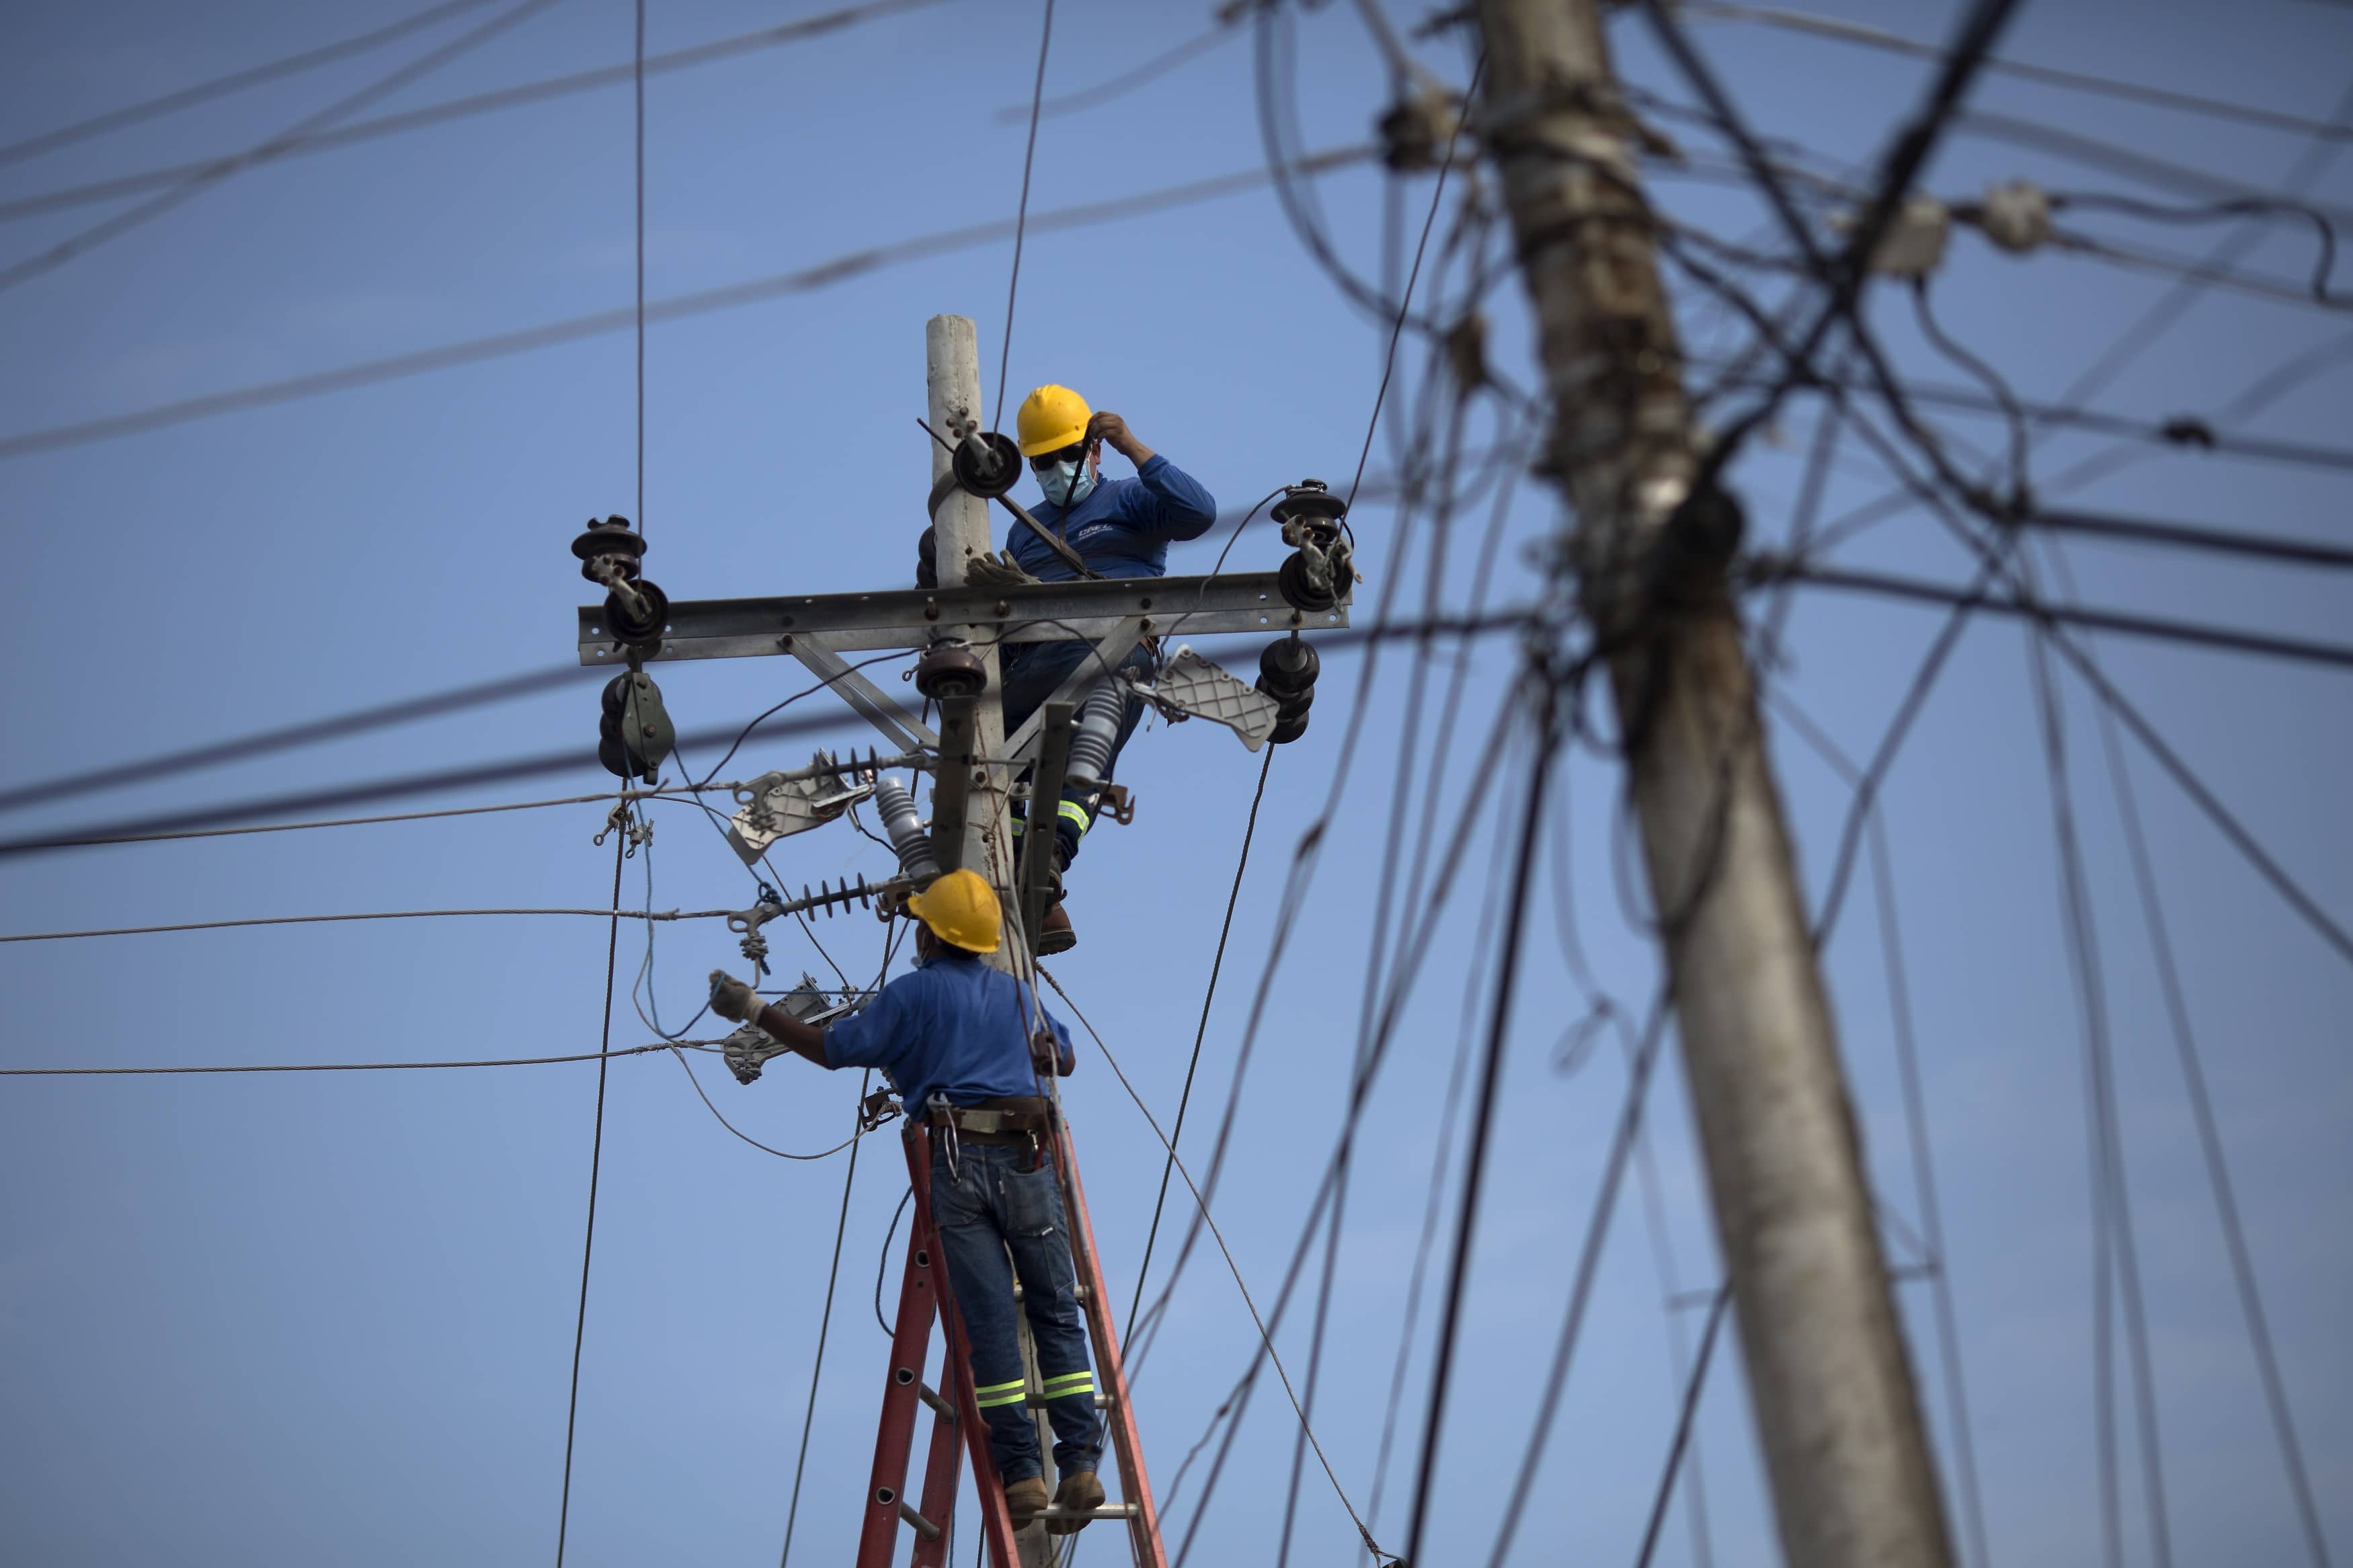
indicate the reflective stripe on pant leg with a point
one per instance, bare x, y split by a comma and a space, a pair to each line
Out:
998, 1394
1069, 1384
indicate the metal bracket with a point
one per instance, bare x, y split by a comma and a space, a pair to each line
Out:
953, 781
1114, 644
775, 805
879, 707
1190, 686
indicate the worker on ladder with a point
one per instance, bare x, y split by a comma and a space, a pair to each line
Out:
1114, 527
956, 1038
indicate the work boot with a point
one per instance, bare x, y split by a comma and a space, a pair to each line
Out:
1080, 1491
1024, 1497
1054, 932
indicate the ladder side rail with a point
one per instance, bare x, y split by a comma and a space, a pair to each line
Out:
1127, 1446
996, 1523
878, 1535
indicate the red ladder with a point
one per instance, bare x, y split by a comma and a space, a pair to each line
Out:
923, 1296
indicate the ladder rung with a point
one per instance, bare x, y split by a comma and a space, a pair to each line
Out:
1039, 1401
923, 1527
940, 1407
1108, 1510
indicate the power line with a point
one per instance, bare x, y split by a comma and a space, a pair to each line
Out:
222, 86
1021, 219
1127, 81
345, 1067
1982, 597
458, 108
595, 324
244, 748
2189, 536
825, 1320
2209, 1140
639, 74
2185, 433
2081, 82
208, 821
1201, 1032
616, 914
1483, 1116
98, 234
2090, 152
588, 1240
1683, 1420
432, 781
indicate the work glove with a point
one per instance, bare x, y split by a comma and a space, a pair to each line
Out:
734, 1000
996, 570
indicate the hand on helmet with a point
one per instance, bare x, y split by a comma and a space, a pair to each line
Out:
1109, 428
734, 1000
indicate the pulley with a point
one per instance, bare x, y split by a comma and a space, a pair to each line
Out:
987, 465
634, 733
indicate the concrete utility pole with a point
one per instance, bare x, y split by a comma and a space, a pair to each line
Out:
952, 379
1837, 1413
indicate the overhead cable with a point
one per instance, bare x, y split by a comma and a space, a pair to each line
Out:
235, 81
2081, 81
1103, 93
457, 109
311, 731
344, 1066
596, 1166
1021, 219
679, 307
2265, 644
204, 820
617, 914
98, 234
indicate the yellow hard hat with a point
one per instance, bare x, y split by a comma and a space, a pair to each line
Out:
962, 910
1051, 418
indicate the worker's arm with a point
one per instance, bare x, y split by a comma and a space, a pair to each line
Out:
734, 1000
1173, 504
1065, 1060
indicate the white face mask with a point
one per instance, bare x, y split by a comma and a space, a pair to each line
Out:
1066, 484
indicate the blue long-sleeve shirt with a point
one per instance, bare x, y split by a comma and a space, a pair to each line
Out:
956, 1026
1123, 527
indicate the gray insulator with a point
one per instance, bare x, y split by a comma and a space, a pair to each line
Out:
905, 829
1097, 734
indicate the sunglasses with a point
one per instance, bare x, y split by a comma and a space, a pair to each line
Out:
1073, 453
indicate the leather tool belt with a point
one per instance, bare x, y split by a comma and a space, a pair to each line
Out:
1006, 1121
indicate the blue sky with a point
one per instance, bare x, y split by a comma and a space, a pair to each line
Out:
286, 1319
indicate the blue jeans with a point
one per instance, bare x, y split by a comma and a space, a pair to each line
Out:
987, 1206
1030, 674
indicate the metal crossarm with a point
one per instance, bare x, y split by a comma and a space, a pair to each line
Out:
911, 617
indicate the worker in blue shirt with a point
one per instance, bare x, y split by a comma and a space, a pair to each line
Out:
1119, 527
956, 1038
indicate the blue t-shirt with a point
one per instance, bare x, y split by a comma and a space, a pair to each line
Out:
954, 1028
1123, 527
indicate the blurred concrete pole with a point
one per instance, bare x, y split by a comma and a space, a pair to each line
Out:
1837, 1413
